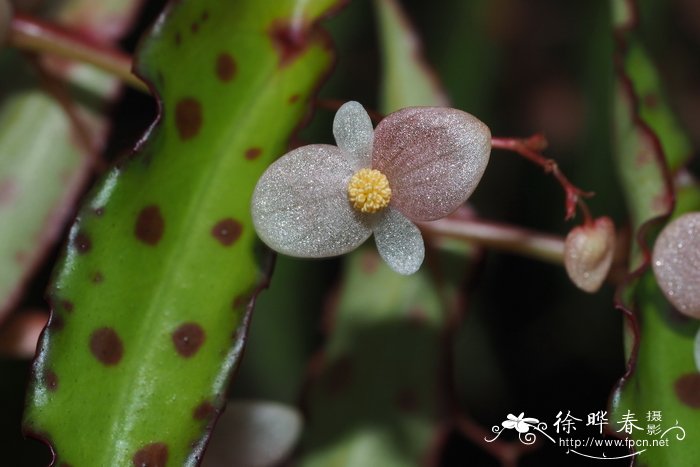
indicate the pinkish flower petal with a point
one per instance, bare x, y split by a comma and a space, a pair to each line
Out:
676, 263
399, 242
300, 205
433, 157
354, 133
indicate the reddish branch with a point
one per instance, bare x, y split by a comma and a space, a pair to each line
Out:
34, 35
531, 149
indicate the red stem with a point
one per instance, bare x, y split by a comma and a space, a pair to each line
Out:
530, 148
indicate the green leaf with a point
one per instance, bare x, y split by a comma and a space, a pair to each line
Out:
375, 398
662, 375
641, 165
39, 179
46, 141
149, 315
653, 108
407, 79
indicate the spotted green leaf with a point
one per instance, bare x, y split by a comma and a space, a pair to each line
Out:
662, 376
149, 298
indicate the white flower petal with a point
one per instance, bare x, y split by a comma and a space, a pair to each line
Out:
509, 424
354, 133
433, 157
300, 205
399, 242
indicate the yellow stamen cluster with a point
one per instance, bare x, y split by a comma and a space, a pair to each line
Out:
369, 191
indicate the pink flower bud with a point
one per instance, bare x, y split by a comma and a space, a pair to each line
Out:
588, 253
676, 263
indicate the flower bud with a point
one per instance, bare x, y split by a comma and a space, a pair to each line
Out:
676, 263
588, 253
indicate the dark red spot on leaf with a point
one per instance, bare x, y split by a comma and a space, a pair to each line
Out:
651, 100
225, 67
241, 301
149, 225
205, 15
21, 257
151, 455
97, 277
8, 190
67, 305
688, 389
417, 316
106, 346
407, 400
82, 243
188, 338
289, 39
253, 153
178, 38
194, 27
227, 231
56, 323
51, 380
188, 117
340, 375
99, 212
293, 98
204, 411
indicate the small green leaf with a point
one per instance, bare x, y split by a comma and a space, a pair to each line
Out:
149, 300
408, 80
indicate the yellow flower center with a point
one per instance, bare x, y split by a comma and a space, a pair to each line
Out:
369, 191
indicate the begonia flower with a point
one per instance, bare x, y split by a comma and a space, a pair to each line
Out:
420, 164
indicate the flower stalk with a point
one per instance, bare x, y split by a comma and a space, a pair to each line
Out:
503, 237
531, 148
